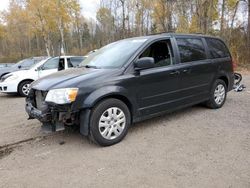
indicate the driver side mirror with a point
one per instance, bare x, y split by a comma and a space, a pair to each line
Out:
144, 63
39, 68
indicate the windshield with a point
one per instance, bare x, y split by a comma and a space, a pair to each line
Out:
25, 64
114, 55
39, 63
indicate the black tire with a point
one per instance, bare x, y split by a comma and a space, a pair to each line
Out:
21, 86
211, 103
97, 113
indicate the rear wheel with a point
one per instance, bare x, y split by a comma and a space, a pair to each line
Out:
218, 95
109, 122
24, 88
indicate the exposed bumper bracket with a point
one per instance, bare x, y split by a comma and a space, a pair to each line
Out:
37, 114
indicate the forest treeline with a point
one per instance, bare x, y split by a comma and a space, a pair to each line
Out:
54, 27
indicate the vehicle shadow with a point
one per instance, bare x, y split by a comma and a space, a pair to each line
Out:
73, 136
166, 118
10, 96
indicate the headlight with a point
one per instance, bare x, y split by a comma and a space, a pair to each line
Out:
62, 96
10, 77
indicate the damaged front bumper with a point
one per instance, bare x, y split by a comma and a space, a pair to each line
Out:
34, 113
54, 118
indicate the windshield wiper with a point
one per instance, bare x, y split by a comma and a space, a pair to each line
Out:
91, 66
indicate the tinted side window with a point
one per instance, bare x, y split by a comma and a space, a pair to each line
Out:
51, 64
217, 48
191, 49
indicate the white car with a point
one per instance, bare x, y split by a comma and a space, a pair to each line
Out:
19, 81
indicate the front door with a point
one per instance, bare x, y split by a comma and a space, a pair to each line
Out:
49, 67
158, 87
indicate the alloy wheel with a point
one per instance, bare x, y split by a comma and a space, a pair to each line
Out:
26, 89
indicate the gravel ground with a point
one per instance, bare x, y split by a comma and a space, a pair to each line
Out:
194, 147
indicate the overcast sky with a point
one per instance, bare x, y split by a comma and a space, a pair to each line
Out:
89, 7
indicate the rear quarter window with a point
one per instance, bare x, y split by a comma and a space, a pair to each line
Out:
191, 49
75, 61
217, 48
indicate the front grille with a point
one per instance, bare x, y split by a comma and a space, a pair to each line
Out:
40, 99
3, 88
37, 98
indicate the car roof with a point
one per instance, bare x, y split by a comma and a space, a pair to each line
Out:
160, 35
67, 56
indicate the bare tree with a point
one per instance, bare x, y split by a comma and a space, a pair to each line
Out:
248, 29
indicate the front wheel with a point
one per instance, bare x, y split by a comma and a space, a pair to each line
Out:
218, 95
109, 122
24, 88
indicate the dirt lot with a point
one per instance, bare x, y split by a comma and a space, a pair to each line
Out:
195, 147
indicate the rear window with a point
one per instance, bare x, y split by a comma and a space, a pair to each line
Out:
217, 48
191, 49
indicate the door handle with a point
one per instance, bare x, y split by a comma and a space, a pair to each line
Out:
185, 71
175, 72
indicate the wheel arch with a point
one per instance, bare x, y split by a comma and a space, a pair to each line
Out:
120, 97
103, 93
98, 96
19, 84
24, 81
225, 79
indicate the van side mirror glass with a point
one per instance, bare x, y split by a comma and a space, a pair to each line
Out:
144, 63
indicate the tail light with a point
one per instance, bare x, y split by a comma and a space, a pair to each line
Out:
234, 65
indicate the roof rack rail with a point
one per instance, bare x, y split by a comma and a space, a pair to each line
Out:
160, 33
198, 33
155, 34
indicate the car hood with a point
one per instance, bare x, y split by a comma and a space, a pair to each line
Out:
72, 78
6, 70
20, 72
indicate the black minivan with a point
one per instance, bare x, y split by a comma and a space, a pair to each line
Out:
132, 80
